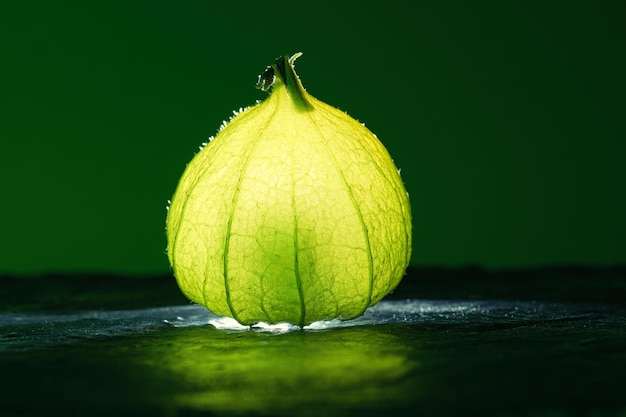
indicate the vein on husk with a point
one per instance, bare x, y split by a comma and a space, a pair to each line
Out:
231, 216
370, 265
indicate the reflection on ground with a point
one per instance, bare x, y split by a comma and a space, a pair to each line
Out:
440, 357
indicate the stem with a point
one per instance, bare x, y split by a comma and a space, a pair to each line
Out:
283, 68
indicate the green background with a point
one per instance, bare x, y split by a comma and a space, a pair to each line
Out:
506, 119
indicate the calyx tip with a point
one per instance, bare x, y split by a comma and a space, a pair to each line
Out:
267, 78
283, 68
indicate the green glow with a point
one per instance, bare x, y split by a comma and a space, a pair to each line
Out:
265, 373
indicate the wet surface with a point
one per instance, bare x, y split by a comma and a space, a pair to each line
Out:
19, 331
405, 356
